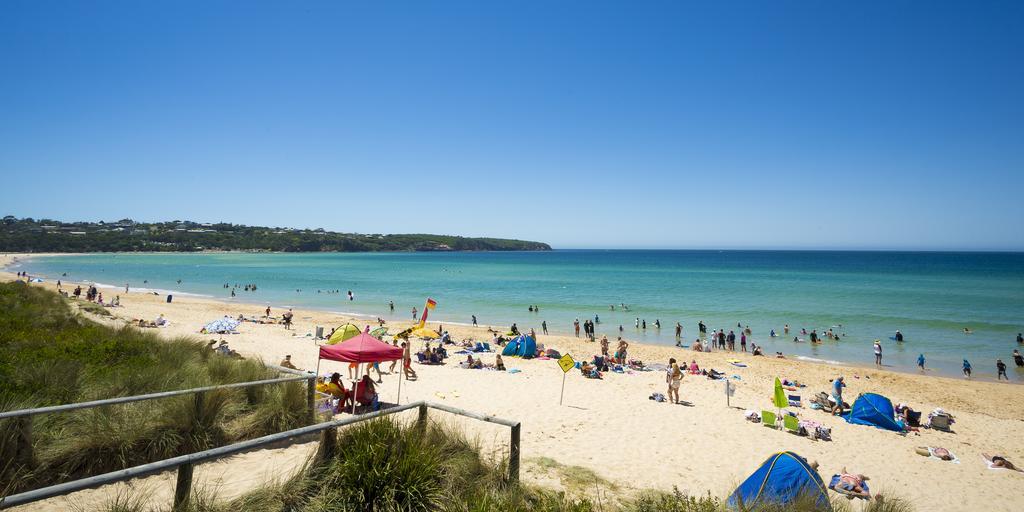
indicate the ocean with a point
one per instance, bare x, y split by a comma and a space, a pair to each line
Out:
930, 296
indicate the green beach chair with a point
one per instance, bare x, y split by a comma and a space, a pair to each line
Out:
768, 419
791, 424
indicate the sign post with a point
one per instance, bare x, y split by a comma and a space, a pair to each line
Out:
729, 389
566, 363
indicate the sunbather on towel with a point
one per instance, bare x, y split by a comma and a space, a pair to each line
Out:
853, 484
941, 453
998, 461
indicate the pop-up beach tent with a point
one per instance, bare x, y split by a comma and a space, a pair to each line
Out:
222, 326
527, 347
780, 480
511, 348
343, 333
874, 410
362, 348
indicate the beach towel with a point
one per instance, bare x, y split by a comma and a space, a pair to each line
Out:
835, 481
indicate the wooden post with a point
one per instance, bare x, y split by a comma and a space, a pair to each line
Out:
513, 455
421, 420
328, 444
311, 399
183, 489
24, 454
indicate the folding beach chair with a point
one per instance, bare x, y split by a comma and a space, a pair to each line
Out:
768, 419
795, 401
791, 424
940, 422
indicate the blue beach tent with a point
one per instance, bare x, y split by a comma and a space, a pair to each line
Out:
527, 347
874, 410
511, 347
780, 480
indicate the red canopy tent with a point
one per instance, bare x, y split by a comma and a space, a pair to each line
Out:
361, 349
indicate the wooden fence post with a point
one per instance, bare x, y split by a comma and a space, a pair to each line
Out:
311, 399
183, 488
513, 455
421, 419
25, 453
328, 444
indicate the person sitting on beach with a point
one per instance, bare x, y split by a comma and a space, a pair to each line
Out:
337, 390
287, 362
498, 363
365, 392
853, 484
473, 364
694, 369
589, 371
160, 321
514, 329
998, 461
757, 350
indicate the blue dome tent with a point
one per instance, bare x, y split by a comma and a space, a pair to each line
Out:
511, 347
873, 410
780, 480
527, 347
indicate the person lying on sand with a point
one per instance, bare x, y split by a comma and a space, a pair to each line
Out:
853, 484
998, 461
936, 451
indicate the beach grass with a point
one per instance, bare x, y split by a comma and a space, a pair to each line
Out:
386, 465
52, 354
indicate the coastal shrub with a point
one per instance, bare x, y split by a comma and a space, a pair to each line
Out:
50, 354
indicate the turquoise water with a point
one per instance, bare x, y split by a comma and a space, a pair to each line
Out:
931, 297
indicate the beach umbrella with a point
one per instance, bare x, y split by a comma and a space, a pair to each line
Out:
345, 332
222, 325
779, 397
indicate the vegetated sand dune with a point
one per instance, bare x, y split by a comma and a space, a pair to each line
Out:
610, 429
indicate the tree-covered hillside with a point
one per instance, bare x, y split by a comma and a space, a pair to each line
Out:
44, 235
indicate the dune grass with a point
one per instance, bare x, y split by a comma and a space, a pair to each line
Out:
384, 465
50, 354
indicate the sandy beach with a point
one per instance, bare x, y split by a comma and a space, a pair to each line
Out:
611, 428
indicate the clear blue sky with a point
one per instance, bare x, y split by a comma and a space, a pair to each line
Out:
584, 124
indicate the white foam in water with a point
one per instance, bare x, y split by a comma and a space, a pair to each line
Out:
160, 291
816, 360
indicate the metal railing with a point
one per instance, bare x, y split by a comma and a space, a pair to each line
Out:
186, 463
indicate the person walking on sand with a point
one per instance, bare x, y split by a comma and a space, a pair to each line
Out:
576, 326
267, 311
743, 341
287, 317
673, 377
1001, 370
837, 395
407, 362
878, 353
967, 369
604, 346
920, 362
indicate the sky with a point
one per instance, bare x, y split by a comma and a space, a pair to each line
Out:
852, 125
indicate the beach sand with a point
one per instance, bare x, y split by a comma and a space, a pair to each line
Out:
609, 427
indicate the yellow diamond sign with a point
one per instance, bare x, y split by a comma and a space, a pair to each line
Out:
566, 363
